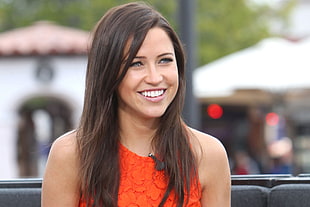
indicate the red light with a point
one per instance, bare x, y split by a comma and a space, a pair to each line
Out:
215, 111
272, 119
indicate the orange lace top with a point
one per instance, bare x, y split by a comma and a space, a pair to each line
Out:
141, 185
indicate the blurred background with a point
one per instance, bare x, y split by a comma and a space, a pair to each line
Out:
248, 77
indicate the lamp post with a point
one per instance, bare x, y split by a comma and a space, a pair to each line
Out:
187, 30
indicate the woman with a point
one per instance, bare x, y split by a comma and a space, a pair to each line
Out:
131, 146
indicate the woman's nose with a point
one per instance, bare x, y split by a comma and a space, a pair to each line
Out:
154, 75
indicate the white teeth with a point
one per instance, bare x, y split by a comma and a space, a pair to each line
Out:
152, 94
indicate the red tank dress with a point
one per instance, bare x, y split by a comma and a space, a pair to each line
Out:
141, 185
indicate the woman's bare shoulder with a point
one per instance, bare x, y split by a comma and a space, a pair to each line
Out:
213, 169
211, 155
210, 145
61, 182
64, 153
64, 148
66, 143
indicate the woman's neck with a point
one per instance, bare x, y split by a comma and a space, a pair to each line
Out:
137, 134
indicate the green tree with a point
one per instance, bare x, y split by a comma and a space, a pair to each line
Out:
226, 26
75, 13
223, 26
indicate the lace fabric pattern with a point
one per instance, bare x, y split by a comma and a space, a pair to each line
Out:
141, 185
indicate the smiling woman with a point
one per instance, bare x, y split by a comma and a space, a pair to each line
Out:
132, 146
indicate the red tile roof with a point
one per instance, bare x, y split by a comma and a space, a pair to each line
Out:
44, 38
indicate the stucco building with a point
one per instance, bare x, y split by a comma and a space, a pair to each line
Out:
42, 72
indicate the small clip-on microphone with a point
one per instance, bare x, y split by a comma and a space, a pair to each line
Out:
159, 165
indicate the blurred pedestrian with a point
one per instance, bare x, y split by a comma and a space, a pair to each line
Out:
243, 164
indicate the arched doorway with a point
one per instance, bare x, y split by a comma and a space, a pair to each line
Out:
41, 120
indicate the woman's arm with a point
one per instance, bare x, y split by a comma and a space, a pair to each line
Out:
214, 172
60, 185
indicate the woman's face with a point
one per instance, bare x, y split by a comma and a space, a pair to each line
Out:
151, 82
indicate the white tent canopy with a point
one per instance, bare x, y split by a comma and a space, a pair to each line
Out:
273, 64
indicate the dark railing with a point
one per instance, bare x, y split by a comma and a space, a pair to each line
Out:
247, 190
21, 183
267, 180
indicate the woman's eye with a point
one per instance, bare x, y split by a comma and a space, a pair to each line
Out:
136, 64
166, 60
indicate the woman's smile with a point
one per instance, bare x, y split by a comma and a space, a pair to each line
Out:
153, 95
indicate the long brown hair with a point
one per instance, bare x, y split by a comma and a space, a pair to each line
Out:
98, 132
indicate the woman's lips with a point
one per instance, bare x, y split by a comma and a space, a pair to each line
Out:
153, 95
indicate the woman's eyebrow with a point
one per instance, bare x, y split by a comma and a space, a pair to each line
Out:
167, 53
163, 54
139, 57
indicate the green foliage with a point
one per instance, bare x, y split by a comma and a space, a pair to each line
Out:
223, 26
74, 13
226, 26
